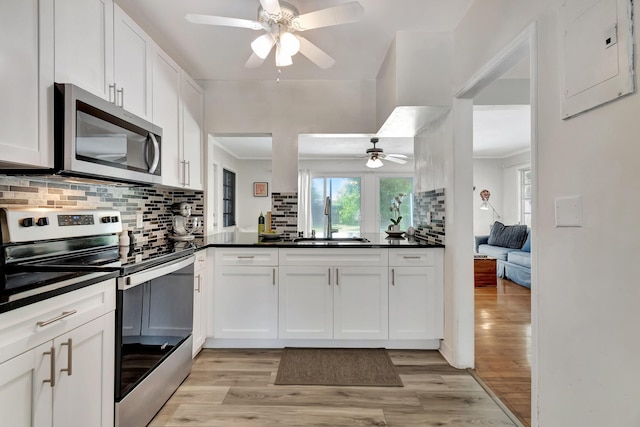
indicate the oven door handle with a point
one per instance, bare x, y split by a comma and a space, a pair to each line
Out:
133, 280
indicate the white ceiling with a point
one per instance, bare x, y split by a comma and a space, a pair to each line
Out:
212, 52
219, 53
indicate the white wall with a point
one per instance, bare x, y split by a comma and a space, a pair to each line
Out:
511, 168
287, 109
586, 293
249, 207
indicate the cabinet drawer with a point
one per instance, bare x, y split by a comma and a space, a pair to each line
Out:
21, 331
335, 257
265, 257
414, 257
201, 260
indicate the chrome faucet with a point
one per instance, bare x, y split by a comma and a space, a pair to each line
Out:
327, 212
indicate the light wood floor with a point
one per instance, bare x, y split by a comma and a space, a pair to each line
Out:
235, 388
503, 344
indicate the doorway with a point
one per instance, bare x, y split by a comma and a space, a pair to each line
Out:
509, 210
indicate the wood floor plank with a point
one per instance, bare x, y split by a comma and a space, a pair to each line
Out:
243, 415
481, 417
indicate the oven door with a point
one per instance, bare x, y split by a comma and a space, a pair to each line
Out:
154, 313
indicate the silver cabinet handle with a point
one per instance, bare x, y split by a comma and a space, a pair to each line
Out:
55, 319
121, 92
329, 275
52, 367
246, 257
112, 90
411, 257
184, 172
274, 277
188, 162
156, 153
337, 277
69, 368
393, 277
198, 278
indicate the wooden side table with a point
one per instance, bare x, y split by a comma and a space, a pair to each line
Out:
484, 271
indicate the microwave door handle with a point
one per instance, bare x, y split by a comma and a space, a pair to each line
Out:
156, 153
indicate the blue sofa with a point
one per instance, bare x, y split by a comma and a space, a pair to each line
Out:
513, 259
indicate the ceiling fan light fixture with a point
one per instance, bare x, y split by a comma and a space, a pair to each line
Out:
289, 44
374, 163
262, 45
282, 59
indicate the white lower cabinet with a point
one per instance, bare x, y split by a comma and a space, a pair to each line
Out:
201, 285
59, 373
415, 294
246, 293
333, 294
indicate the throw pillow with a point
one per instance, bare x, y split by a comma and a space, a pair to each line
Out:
527, 243
511, 236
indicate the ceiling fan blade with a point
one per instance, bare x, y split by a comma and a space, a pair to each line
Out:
222, 20
315, 54
394, 160
399, 156
271, 6
254, 61
343, 14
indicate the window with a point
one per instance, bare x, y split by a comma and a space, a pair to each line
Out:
390, 188
228, 198
525, 197
344, 194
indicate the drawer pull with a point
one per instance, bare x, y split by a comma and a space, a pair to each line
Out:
55, 319
337, 277
246, 256
393, 277
198, 279
329, 276
274, 277
411, 257
52, 366
69, 368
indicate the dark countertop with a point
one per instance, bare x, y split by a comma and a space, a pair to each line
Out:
243, 240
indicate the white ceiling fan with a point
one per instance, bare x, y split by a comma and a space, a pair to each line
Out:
281, 21
375, 155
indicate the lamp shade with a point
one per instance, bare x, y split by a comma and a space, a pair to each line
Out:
282, 59
374, 163
262, 45
289, 44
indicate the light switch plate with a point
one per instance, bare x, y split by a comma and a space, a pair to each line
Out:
568, 211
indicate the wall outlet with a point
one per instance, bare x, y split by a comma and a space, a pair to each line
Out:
139, 222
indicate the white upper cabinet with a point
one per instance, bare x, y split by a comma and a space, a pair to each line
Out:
84, 45
101, 49
178, 108
26, 48
132, 65
192, 119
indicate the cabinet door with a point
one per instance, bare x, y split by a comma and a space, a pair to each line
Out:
132, 69
246, 302
305, 302
192, 118
199, 312
166, 114
411, 303
25, 400
84, 44
83, 395
26, 51
361, 303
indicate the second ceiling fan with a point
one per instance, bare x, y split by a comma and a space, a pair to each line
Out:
281, 21
375, 155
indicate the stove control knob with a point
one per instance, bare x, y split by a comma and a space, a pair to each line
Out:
26, 222
42, 221
106, 219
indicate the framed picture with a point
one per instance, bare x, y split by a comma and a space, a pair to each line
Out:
260, 189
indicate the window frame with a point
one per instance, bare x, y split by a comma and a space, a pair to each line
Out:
325, 176
522, 199
228, 216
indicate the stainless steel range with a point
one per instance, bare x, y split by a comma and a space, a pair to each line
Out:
47, 252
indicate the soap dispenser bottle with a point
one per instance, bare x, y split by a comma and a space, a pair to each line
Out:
261, 223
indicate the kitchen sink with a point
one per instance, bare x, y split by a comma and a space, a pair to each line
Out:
333, 241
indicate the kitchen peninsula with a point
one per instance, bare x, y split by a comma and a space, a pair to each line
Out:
381, 292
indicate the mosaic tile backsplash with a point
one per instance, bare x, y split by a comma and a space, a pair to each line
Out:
152, 203
284, 214
430, 204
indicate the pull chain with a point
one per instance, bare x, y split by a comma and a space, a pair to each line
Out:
278, 78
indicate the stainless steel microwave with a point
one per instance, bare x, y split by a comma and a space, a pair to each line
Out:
97, 139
